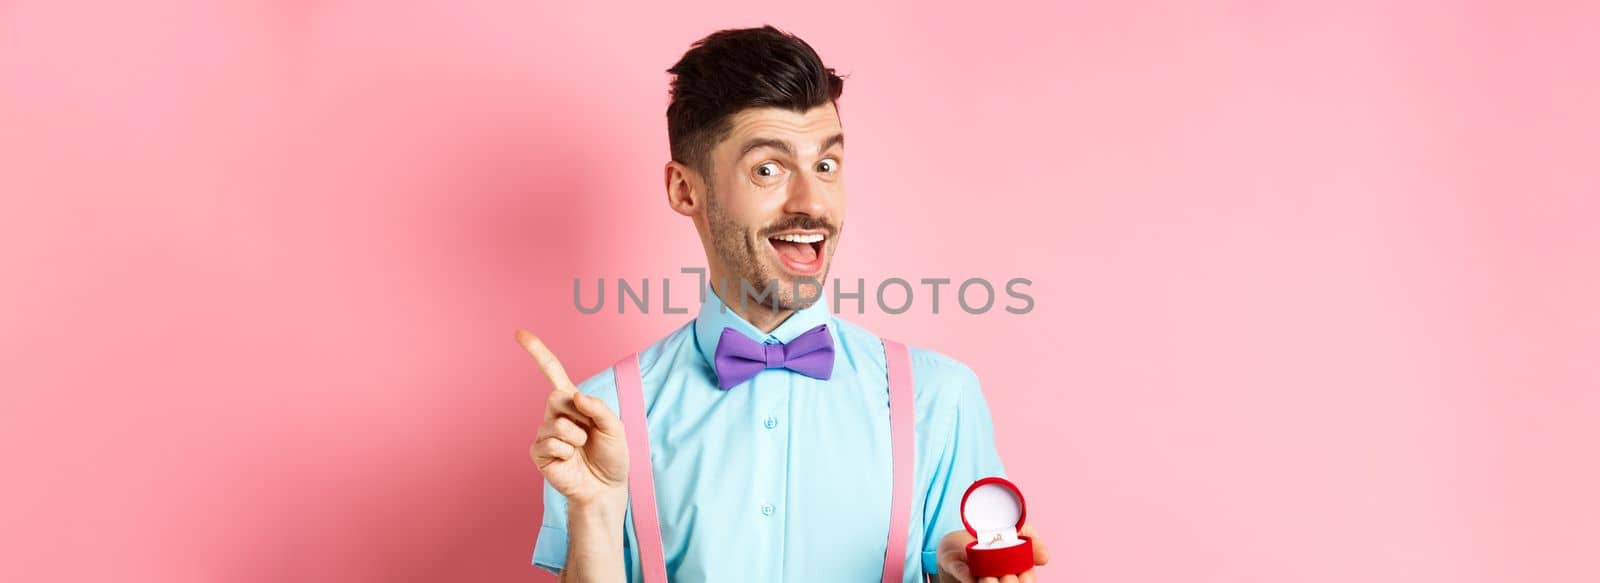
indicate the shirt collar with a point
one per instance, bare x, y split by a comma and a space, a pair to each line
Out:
713, 317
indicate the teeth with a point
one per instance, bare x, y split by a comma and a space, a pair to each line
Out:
799, 238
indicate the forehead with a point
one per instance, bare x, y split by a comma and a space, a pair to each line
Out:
805, 131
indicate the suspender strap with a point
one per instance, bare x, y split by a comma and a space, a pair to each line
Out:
641, 480
902, 429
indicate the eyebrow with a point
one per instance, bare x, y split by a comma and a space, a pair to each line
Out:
783, 146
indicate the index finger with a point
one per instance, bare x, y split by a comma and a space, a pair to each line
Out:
547, 361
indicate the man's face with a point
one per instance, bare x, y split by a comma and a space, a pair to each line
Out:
776, 203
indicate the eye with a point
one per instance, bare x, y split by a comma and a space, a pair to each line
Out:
768, 169
828, 165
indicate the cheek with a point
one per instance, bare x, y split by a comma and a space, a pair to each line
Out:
753, 209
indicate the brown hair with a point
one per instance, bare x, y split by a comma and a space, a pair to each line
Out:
732, 70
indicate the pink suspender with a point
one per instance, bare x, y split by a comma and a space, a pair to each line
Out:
641, 480
902, 430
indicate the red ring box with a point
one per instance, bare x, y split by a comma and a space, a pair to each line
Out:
993, 510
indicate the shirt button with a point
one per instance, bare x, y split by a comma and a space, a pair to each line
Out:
771, 422
766, 509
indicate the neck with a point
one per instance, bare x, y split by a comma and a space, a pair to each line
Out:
760, 313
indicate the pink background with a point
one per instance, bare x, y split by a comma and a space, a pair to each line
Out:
1315, 286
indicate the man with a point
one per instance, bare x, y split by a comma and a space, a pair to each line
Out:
760, 473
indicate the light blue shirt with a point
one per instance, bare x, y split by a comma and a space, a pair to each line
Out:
785, 477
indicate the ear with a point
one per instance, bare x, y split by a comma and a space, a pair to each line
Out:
682, 194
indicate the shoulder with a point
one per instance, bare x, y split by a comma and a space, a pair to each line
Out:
654, 361
946, 387
944, 384
941, 371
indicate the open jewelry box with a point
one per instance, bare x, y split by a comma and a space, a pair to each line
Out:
994, 511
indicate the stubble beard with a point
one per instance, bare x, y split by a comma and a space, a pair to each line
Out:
737, 246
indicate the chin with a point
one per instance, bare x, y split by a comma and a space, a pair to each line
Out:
791, 287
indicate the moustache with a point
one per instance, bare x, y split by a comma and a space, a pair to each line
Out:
802, 223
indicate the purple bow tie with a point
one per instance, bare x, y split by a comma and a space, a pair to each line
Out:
738, 357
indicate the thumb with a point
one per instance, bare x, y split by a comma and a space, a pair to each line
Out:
604, 420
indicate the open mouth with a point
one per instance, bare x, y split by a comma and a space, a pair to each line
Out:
800, 252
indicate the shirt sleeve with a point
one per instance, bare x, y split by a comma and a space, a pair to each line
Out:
962, 433
550, 550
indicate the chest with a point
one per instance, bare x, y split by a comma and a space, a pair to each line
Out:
781, 468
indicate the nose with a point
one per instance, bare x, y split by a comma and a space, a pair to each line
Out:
807, 196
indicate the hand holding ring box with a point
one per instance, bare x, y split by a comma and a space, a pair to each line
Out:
993, 510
